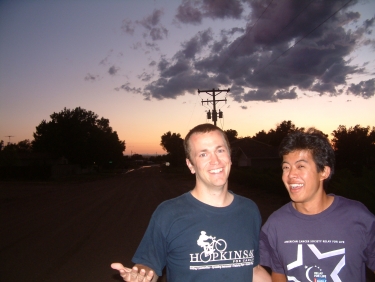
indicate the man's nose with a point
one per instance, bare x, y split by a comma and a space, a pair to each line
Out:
214, 159
292, 172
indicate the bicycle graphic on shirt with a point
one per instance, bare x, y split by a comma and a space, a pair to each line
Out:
210, 247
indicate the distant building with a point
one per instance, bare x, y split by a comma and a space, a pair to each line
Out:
247, 152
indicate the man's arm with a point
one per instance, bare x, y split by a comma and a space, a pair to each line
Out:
278, 277
139, 273
260, 274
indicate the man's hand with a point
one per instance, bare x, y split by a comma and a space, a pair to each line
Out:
260, 274
133, 275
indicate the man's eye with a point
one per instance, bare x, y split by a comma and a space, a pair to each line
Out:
203, 155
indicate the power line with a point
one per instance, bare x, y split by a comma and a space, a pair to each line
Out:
260, 70
214, 101
246, 33
299, 13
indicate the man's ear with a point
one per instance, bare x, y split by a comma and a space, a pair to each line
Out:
325, 173
190, 166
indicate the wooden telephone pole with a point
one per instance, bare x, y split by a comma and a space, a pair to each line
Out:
214, 101
9, 138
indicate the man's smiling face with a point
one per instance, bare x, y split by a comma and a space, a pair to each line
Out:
210, 159
301, 177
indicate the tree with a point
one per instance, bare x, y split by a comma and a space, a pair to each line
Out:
24, 146
262, 136
80, 136
231, 134
10, 154
274, 137
136, 157
174, 145
354, 147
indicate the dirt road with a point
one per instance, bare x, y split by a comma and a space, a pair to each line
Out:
73, 231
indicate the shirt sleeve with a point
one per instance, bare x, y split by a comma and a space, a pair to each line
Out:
370, 249
268, 252
256, 249
152, 249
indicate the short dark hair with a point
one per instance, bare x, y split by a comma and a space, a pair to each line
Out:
202, 128
314, 141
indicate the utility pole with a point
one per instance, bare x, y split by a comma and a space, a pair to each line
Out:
9, 138
216, 92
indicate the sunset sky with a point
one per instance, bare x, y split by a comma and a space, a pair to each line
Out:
140, 64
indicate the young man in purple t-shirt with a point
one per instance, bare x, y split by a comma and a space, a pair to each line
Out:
317, 236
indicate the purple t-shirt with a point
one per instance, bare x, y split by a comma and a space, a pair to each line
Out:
334, 245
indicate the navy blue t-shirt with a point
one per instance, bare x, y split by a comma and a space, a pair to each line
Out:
197, 242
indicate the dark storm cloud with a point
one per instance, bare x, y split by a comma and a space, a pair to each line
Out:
91, 77
145, 76
187, 13
128, 26
113, 70
193, 11
126, 87
177, 85
179, 67
261, 94
151, 24
153, 27
369, 23
370, 43
220, 9
285, 47
106, 59
365, 89
163, 64
158, 33
152, 20
152, 46
284, 94
195, 44
136, 45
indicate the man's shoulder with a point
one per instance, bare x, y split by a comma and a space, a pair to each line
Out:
281, 214
244, 200
175, 201
352, 206
283, 209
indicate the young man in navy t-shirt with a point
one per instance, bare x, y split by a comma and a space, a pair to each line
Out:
207, 234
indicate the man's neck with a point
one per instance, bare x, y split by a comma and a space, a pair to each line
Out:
213, 196
314, 207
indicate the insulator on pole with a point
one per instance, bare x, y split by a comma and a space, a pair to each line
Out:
220, 114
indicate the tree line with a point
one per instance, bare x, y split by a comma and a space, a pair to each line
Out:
354, 146
83, 138
78, 135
